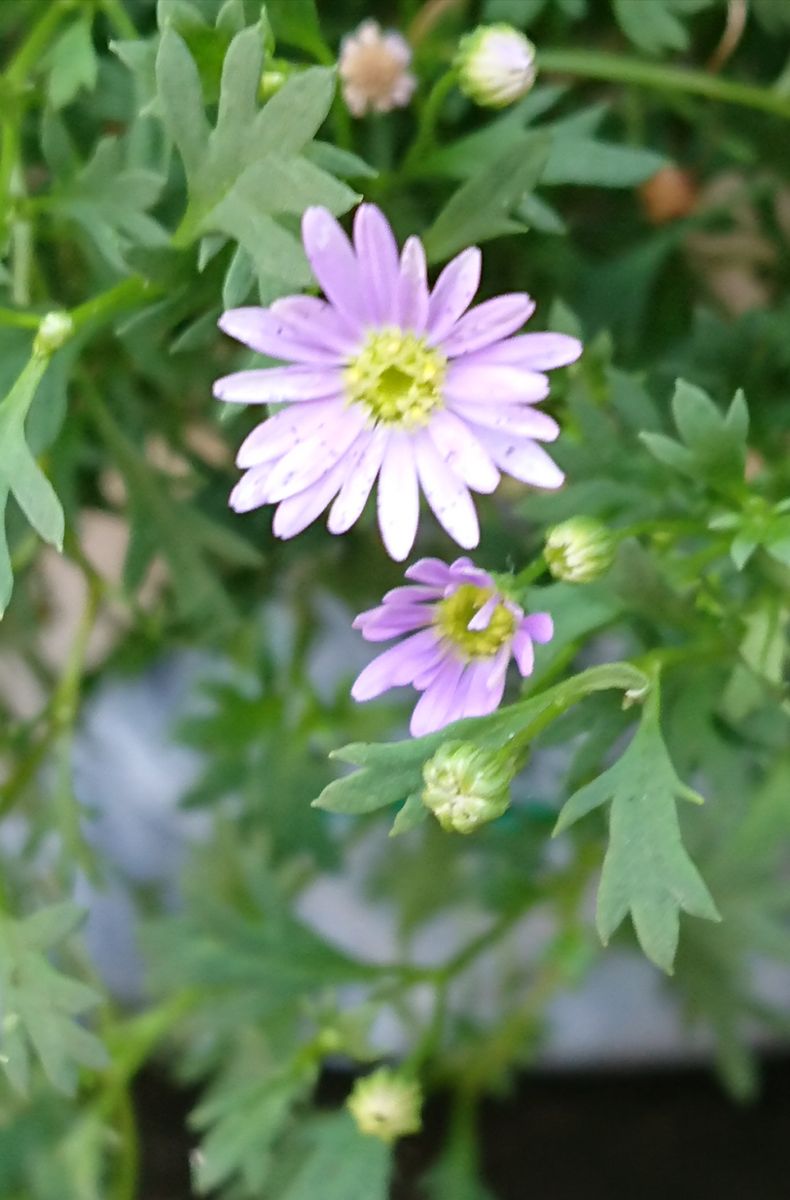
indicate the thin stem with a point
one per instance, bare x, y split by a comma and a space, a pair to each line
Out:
116, 299
19, 320
425, 139
618, 68
30, 51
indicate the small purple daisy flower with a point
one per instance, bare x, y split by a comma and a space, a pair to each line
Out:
466, 632
392, 381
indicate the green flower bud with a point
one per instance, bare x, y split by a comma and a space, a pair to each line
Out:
54, 331
496, 65
579, 550
465, 786
386, 1105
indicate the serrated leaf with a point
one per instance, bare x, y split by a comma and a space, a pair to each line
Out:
647, 871
481, 208
296, 23
586, 161
654, 25
39, 1005
393, 771
340, 1163
73, 64
249, 169
410, 816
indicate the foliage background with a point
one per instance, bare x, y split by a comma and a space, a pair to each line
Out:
149, 177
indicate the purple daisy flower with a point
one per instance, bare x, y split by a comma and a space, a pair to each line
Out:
390, 380
462, 633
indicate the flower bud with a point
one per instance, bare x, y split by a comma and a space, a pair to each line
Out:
496, 65
579, 550
465, 786
386, 1105
54, 331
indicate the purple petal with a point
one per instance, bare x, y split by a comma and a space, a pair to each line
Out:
412, 294
539, 626
429, 570
313, 320
362, 465
537, 351
523, 652
398, 497
334, 264
489, 322
377, 254
454, 291
467, 383
482, 618
284, 430
522, 458
437, 705
382, 623
408, 594
310, 460
396, 666
463, 570
513, 419
447, 495
297, 512
263, 330
479, 699
280, 384
250, 491
462, 452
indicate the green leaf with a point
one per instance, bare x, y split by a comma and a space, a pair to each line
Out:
647, 871
653, 25
249, 170
481, 208
73, 64
410, 816
20, 475
39, 1005
714, 445
393, 771
593, 163
339, 1163
296, 23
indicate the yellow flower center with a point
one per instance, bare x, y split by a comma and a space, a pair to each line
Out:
398, 377
454, 614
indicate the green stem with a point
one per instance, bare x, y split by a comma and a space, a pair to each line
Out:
618, 68
19, 320
31, 50
107, 305
425, 138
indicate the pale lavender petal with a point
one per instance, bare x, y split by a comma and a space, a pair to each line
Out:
490, 321
538, 351
412, 295
480, 699
463, 570
285, 430
429, 673
276, 385
436, 706
310, 459
453, 292
396, 666
313, 320
523, 459
482, 618
447, 495
297, 512
363, 466
497, 670
462, 452
334, 264
523, 652
411, 595
383, 623
470, 384
250, 491
263, 330
377, 253
516, 420
539, 626
398, 497
429, 570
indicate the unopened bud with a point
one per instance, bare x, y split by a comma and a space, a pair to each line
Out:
579, 550
496, 65
465, 786
386, 1105
54, 331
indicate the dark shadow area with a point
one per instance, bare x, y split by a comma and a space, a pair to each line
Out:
560, 1136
